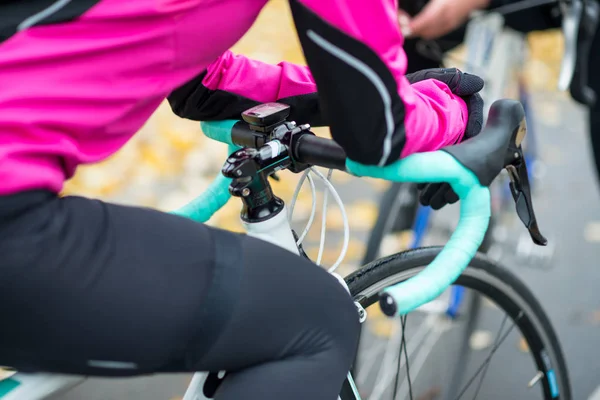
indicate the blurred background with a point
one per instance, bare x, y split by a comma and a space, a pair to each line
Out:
170, 162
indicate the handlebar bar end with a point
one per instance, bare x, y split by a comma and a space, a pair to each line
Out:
388, 305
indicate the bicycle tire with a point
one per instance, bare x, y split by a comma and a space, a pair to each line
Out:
487, 278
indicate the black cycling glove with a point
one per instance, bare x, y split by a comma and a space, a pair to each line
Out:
467, 86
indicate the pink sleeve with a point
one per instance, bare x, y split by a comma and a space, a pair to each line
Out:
351, 44
233, 83
258, 80
437, 117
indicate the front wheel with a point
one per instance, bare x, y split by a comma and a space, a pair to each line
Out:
501, 344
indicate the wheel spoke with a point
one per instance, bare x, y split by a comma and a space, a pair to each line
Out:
489, 357
386, 365
423, 354
413, 342
402, 344
403, 320
487, 364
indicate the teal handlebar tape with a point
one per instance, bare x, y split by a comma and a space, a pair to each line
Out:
219, 130
203, 207
475, 209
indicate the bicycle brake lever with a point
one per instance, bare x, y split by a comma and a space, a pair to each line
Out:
521, 192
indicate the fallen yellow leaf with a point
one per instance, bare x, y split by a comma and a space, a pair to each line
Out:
523, 347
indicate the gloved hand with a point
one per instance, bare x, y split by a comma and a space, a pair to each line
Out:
467, 86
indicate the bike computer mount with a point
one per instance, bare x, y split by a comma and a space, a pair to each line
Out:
266, 117
269, 123
261, 156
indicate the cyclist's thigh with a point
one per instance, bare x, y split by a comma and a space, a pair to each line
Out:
87, 284
294, 324
95, 288
288, 308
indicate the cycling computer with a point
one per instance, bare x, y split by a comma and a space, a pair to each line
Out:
266, 116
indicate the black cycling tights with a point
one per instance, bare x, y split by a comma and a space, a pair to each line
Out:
93, 288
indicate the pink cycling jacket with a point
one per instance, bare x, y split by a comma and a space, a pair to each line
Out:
79, 78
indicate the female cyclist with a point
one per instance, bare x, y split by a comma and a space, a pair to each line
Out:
89, 287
